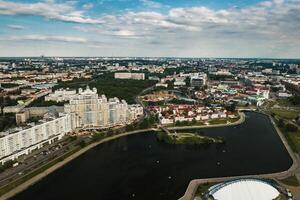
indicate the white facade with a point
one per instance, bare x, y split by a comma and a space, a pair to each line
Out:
129, 75
61, 95
87, 109
23, 141
198, 80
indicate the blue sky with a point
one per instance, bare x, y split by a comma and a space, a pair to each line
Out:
184, 28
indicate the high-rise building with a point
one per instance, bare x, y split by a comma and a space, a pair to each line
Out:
88, 109
20, 141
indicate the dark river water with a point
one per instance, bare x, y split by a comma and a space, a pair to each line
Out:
139, 167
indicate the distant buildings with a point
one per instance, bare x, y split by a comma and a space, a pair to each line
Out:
129, 75
198, 80
172, 113
61, 95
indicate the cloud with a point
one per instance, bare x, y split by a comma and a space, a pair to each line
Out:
48, 9
271, 18
52, 38
15, 26
267, 28
88, 6
125, 33
151, 4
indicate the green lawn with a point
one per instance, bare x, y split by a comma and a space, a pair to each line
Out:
202, 188
293, 138
292, 181
286, 114
187, 138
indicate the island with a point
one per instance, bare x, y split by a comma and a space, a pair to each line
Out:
187, 138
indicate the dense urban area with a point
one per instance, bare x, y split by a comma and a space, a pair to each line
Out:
53, 107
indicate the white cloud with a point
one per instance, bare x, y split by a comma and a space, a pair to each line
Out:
266, 29
15, 26
48, 9
151, 4
53, 38
125, 33
88, 6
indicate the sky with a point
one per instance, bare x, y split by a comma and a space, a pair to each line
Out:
154, 28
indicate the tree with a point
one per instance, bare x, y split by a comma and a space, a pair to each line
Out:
230, 107
145, 124
280, 123
291, 127
177, 123
194, 121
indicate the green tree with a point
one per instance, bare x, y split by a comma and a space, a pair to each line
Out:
291, 127
280, 123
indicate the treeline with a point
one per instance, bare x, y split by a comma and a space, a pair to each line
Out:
126, 89
294, 100
40, 102
144, 124
7, 121
288, 127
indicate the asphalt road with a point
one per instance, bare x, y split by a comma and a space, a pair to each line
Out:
37, 158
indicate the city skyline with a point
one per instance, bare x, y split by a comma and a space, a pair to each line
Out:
195, 28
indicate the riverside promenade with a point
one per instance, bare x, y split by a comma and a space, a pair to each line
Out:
193, 185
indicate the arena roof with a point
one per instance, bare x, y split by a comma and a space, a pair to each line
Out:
246, 189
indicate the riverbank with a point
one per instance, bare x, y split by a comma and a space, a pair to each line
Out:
239, 121
193, 185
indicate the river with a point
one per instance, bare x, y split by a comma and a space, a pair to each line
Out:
139, 167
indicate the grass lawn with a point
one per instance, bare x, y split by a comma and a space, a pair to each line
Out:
292, 181
187, 138
283, 102
286, 114
293, 139
203, 188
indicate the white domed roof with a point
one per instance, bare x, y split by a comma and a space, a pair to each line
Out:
245, 189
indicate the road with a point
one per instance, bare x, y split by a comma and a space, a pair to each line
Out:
37, 158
